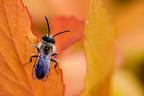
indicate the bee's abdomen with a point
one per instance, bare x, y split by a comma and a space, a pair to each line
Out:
40, 72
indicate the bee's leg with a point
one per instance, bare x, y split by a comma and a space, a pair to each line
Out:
34, 66
54, 54
56, 63
33, 56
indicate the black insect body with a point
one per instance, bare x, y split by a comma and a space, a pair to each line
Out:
46, 50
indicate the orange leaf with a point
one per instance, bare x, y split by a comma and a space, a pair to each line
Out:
75, 26
15, 51
76, 8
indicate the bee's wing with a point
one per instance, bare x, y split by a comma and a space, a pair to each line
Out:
47, 65
34, 75
42, 66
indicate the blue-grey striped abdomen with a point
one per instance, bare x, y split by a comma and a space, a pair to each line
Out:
41, 68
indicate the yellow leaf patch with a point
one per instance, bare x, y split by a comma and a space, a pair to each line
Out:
100, 53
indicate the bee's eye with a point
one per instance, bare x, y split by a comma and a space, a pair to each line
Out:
48, 39
44, 38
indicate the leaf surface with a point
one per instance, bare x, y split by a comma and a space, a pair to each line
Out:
15, 50
100, 53
62, 23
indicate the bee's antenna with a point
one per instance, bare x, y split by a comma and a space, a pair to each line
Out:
47, 26
60, 33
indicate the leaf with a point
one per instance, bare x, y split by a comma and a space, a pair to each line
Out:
62, 23
100, 53
15, 51
78, 9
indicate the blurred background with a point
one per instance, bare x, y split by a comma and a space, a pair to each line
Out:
127, 16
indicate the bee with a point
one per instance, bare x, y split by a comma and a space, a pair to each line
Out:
46, 50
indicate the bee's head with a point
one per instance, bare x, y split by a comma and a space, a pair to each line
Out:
48, 39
